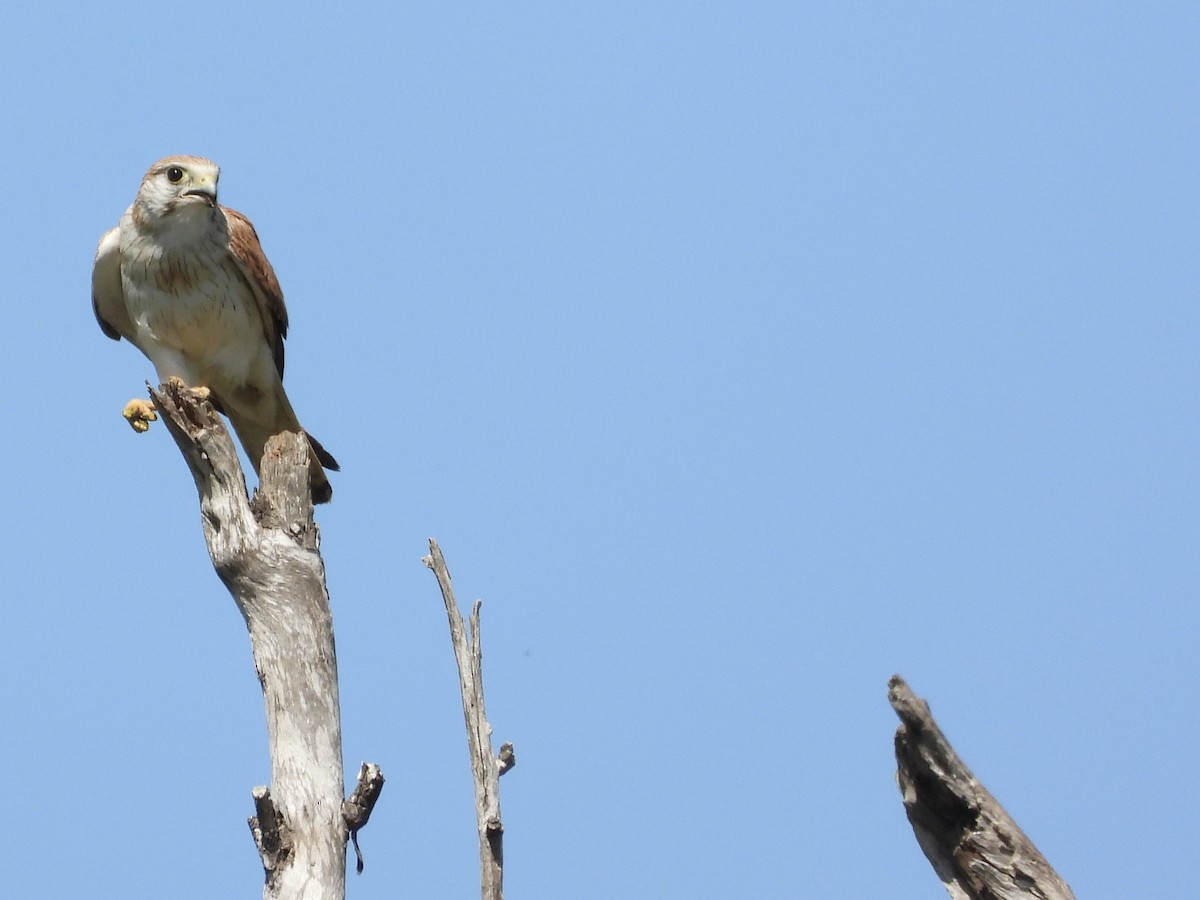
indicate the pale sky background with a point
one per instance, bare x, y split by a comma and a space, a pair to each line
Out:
739, 355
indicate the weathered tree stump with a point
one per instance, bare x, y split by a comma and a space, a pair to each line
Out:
266, 551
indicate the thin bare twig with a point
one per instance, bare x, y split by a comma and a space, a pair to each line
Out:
485, 767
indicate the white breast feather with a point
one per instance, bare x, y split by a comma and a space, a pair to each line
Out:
194, 316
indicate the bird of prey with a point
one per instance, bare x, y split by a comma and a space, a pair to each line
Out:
185, 280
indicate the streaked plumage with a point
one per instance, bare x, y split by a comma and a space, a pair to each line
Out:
185, 280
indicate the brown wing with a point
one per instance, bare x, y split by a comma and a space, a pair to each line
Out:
108, 296
246, 249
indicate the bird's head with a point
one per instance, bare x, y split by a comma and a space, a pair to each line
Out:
179, 184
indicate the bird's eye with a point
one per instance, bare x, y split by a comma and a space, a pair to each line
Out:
174, 174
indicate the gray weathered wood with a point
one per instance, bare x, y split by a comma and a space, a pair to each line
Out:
266, 552
486, 768
975, 847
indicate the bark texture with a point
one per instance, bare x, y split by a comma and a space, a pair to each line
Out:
266, 552
486, 768
975, 847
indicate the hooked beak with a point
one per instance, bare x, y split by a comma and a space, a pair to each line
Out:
205, 192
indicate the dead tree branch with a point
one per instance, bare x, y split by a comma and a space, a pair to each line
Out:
485, 766
977, 850
267, 553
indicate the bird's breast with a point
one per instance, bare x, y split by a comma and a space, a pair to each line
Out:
193, 299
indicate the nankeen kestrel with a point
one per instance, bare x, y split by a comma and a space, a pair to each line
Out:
185, 280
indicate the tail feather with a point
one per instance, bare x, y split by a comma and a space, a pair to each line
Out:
322, 454
254, 434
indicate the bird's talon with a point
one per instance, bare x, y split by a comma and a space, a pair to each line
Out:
200, 392
139, 414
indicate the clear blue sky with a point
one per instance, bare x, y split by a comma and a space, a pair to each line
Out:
739, 356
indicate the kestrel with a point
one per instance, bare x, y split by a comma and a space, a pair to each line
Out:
185, 280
